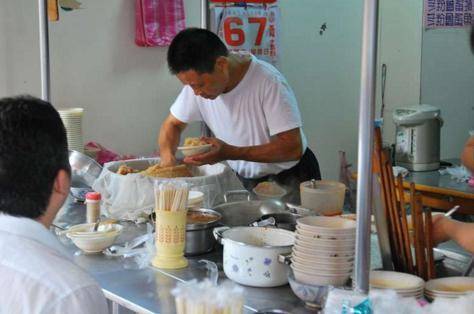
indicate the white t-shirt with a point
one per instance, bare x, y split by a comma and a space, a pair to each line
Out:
38, 276
260, 106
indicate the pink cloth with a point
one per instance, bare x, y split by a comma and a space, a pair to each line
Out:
158, 21
104, 155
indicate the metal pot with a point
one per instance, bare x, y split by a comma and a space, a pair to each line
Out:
199, 237
283, 220
244, 213
251, 254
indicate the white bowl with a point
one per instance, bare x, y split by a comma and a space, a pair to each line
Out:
321, 265
323, 248
327, 225
322, 270
314, 296
322, 253
195, 198
95, 243
321, 258
324, 236
314, 278
195, 150
325, 244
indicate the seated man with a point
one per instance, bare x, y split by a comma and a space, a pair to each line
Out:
36, 273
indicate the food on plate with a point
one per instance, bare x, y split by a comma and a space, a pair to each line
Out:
124, 170
194, 217
167, 172
158, 171
269, 188
193, 141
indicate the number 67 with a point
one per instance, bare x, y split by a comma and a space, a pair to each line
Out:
236, 36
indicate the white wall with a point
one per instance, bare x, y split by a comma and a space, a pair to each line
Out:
400, 40
127, 90
448, 83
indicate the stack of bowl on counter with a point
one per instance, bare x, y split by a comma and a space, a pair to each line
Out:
323, 253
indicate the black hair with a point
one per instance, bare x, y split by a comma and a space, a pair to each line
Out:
195, 49
33, 148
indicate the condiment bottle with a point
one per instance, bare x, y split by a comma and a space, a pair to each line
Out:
93, 206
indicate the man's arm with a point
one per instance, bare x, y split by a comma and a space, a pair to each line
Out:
467, 156
168, 139
445, 229
285, 146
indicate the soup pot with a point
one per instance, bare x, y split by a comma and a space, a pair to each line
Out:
251, 254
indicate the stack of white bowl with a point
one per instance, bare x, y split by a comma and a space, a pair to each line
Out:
323, 253
72, 119
405, 285
449, 288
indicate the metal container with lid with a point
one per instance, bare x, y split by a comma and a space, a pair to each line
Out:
199, 236
418, 131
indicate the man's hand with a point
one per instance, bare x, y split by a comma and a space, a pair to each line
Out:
441, 227
219, 152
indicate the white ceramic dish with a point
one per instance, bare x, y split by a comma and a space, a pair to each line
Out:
321, 248
318, 265
327, 245
450, 286
395, 280
321, 253
194, 150
320, 279
327, 242
97, 243
335, 271
195, 199
327, 225
320, 258
324, 236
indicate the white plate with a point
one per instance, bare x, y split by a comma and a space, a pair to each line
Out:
395, 280
450, 286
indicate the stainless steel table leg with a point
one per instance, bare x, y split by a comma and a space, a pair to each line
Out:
115, 308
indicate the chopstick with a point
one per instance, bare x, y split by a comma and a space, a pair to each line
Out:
429, 244
404, 223
452, 211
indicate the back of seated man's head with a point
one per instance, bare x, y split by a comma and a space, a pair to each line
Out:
33, 149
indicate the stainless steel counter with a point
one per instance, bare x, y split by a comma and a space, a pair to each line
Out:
148, 290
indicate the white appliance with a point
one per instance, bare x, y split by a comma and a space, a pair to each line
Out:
418, 137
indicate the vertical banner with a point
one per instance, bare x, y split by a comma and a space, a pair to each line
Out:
447, 13
252, 27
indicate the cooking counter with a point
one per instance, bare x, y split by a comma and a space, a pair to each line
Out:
148, 290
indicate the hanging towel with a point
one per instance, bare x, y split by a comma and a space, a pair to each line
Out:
158, 21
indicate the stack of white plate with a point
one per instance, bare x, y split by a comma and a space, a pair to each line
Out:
449, 288
405, 285
72, 119
323, 253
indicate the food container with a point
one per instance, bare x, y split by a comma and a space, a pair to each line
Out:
251, 254
325, 197
199, 237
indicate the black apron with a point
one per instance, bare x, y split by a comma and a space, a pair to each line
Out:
306, 169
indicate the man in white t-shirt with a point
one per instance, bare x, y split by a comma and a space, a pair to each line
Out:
247, 104
36, 273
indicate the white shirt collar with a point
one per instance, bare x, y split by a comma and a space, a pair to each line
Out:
32, 230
